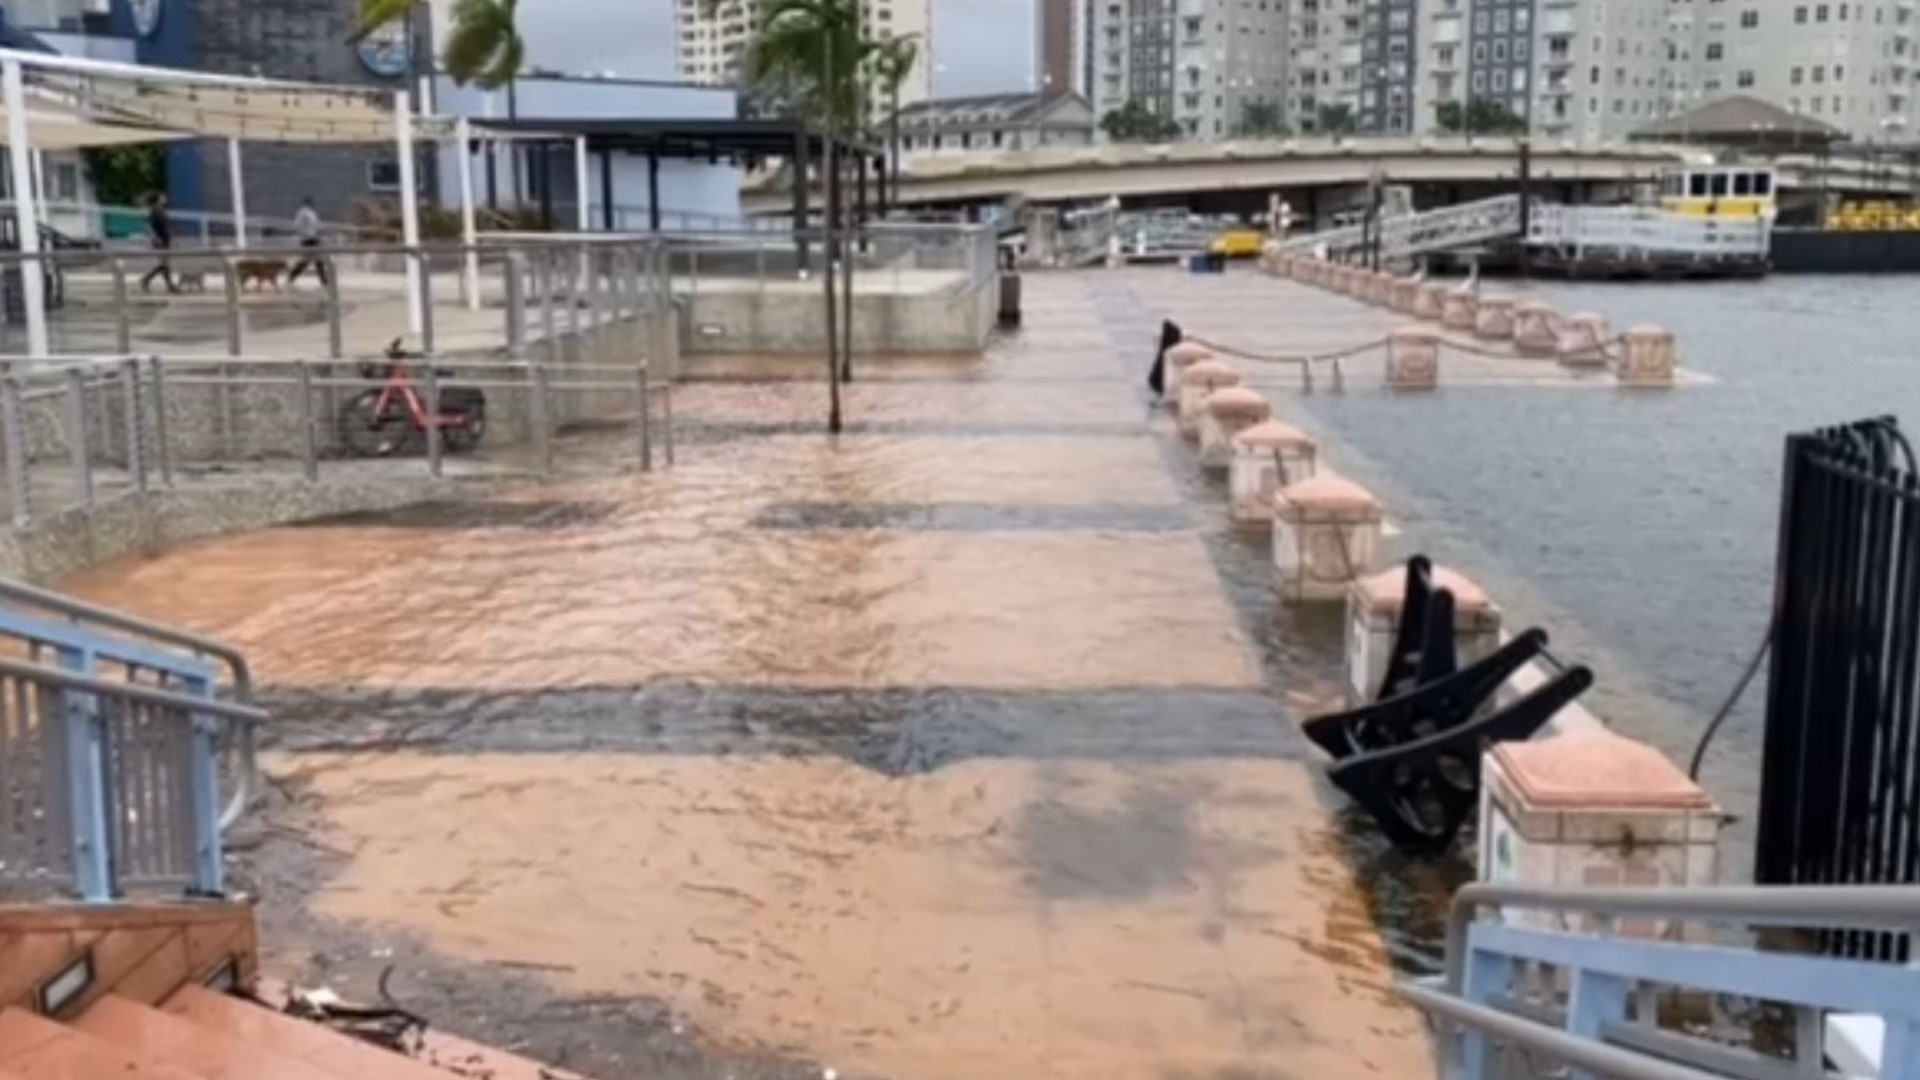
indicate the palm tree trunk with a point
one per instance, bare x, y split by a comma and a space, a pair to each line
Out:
893, 164
830, 176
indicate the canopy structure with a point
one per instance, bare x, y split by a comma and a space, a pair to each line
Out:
686, 138
1744, 122
53, 125
53, 102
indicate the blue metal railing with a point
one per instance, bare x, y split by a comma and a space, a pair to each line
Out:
1553, 982
116, 735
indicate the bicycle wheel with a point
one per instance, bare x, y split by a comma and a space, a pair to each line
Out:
367, 432
473, 427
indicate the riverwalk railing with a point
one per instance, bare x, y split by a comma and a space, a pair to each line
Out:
1664, 983
117, 738
81, 433
1840, 790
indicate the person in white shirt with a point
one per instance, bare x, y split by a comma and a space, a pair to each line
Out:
306, 225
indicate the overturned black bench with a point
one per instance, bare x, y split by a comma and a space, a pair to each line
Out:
1411, 758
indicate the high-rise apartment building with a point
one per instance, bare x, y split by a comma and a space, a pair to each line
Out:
711, 36
1199, 63
1062, 58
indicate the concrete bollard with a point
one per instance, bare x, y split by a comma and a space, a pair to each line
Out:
1493, 320
1266, 457
1382, 291
1325, 532
1198, 383
1373, 619
1591, 809
1406, 296
1413, 358
1647, 357
1583, 343
1429, 301
1180, 356
1459, 307
1229, 411
1535, 329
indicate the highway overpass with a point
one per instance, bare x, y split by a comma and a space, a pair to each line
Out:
1148, 173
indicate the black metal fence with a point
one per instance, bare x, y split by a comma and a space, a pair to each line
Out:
1840, 783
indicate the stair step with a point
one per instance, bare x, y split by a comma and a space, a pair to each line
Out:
35, 1048
214, 1053
313, 1043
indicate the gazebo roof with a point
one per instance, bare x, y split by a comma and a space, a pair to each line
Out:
1740, 119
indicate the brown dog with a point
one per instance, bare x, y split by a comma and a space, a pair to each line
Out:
261, 273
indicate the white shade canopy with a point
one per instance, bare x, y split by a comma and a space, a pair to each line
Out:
54, 126
221, 106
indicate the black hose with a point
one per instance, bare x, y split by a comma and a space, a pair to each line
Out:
1726, 709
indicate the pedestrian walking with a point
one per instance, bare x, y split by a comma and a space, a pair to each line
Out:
306, 225
160, 236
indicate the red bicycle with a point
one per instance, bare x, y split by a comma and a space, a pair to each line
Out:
382, 421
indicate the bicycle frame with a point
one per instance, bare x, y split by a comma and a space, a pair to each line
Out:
399, 384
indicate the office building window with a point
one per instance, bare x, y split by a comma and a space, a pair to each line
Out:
1749, 20
1800, 14
1743, 79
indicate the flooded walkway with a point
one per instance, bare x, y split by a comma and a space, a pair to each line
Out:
959, 748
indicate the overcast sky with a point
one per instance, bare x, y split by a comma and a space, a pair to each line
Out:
980, 46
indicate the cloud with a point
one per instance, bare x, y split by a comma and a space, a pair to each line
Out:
980, 45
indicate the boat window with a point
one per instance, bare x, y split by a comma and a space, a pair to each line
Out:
1697, 185
1743, 183
1719, 184
1763, 183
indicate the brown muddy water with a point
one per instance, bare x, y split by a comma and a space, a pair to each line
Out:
959, 747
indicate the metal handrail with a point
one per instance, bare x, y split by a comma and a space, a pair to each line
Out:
236, 662
149, 695
1575, 1050
1850, 907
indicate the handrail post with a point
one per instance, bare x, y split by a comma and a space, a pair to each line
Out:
424, 269
515, 283
309, 436
162, 452
666, 415
19, 492
203, 756
644, 419
77, 448
122, 320
230, 281
136, 430
84, 772
542, 418
336, 332
434, 448
546, 286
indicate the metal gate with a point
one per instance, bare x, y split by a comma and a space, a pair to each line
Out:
1840, 783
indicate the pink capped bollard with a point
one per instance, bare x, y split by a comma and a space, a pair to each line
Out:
1583, 344
1493, 321
1536, 330
1406, 296
1325, 532
1181, 355
1413, 358
1459, 307
1591, 809
1429, 301
1373, 620
1646, 357
1381, 293
1197, 384
1229, 411
1266, 457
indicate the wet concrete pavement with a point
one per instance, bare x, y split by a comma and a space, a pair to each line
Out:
961, 746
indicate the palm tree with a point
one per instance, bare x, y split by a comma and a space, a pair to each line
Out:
817, 46
484, 48
893, 61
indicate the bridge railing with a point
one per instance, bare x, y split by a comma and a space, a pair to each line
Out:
1414, 234
1665, 983
1637, 230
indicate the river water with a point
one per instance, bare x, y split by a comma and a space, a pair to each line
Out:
1639, 529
